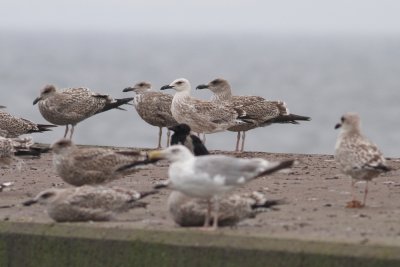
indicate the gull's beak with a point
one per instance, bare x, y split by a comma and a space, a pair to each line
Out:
29, 202
202, 86
165, 87
337, 126
156, 154
2, 106
128, 89
37, 100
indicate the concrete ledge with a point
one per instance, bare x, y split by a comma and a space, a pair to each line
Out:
33, 244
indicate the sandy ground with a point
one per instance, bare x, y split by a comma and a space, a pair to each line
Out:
315, 192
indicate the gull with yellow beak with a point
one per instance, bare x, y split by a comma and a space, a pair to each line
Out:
209, 177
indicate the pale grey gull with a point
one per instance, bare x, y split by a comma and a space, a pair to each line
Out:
211, 176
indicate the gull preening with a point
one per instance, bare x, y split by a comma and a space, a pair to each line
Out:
191, 212
357, 157
73, 105
153, 107
261, 112
12, 127
93, 165
209, 177
202, 116
88, 203
182, 136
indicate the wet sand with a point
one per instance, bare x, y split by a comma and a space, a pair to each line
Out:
315, 192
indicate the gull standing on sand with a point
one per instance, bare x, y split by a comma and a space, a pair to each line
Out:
12, 127
73, 105
202, 116
182, 136
191, 212
153, 107
88, 203
93, 165
211, 176
261, 111
357, 157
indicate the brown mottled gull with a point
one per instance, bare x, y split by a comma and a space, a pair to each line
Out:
153, 107
93, 165
12, 127
261, 111
11, 148
357, 157
211, 176
202, 116
88, 203
73, 105
191, 212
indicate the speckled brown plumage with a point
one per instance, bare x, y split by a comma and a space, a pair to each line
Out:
153, 107
88, 203
92, 165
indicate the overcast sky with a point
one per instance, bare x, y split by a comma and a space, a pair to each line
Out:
281, 16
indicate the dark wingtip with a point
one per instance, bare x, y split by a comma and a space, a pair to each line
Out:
160, 186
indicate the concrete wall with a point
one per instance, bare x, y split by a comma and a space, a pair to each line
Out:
57, 245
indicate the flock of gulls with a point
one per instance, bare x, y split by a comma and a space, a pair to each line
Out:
200, 182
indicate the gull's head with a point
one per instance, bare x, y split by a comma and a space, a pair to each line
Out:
179, 85
182, 128
349, 122
46, 92
140, 87
217, 86
61, 145
172, 153
43, 197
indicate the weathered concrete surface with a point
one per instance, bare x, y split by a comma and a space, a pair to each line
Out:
35, 244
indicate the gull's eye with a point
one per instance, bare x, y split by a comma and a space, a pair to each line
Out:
179, 83
342, 119
175, 150
141, 84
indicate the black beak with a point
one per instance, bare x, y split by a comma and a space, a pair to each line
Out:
36, 100
337, 126
29, 202
202, 86
165, 87
128, 89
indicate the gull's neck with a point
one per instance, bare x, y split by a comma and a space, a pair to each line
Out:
224, 95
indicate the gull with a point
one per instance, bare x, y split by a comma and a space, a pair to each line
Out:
13, 127
211, 176
202, 116
182, 136
262, 112
356, 156
11, 148
153, 107
190, 212
73, 105
88, 203
93, 165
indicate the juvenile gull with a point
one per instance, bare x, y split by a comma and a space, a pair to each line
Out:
88, 203
93, 165
211, 176
12, 127
202, 116
183, 136
191, 212
261, 111
73, 105
153, 107
357, 157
